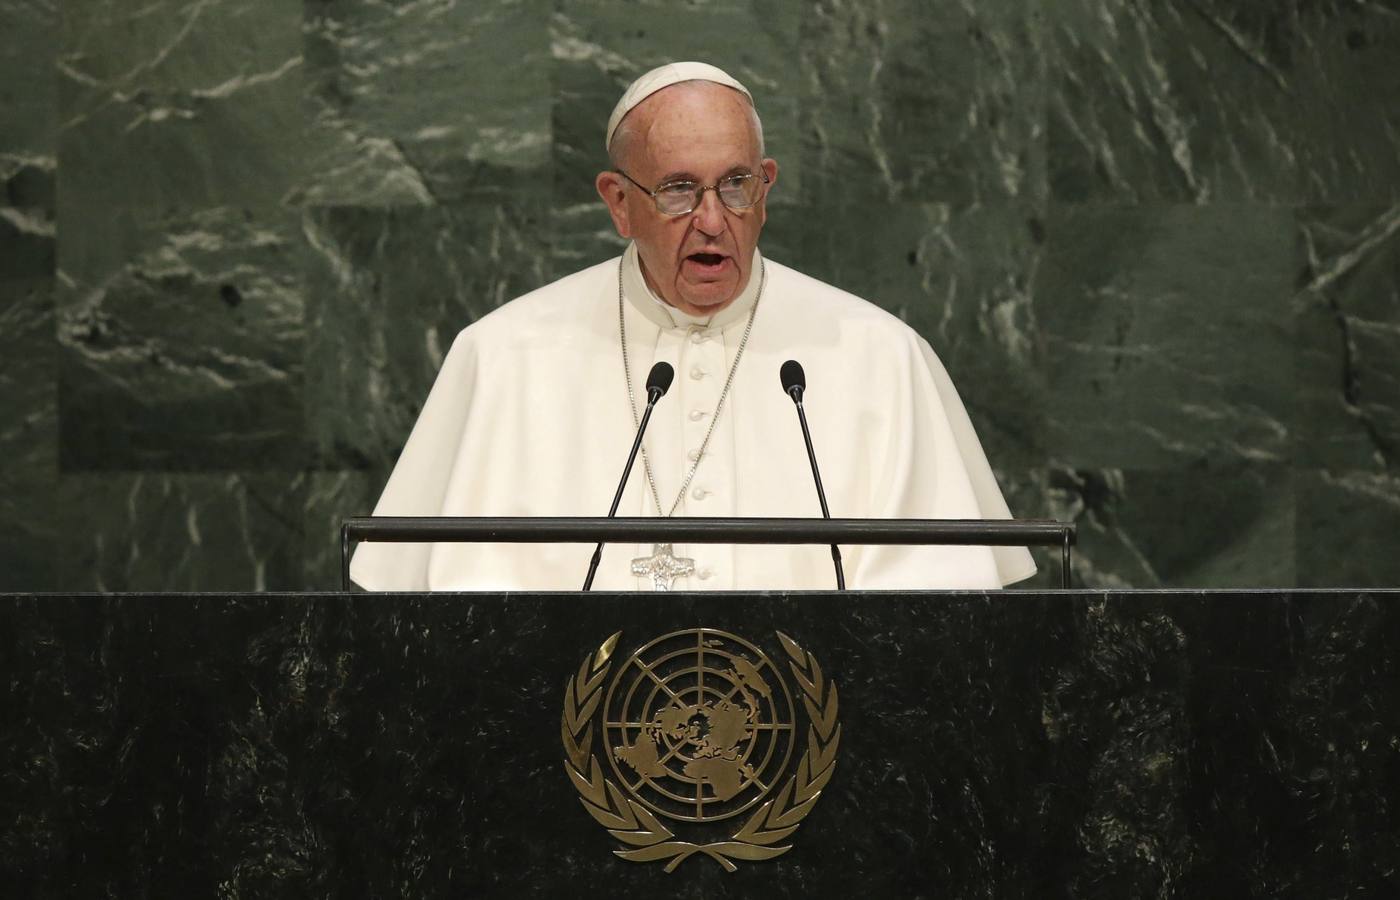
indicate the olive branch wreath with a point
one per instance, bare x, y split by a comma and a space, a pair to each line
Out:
632, 823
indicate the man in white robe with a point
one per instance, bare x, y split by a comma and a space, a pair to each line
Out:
531, 414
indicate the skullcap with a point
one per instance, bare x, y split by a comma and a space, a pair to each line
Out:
664, 77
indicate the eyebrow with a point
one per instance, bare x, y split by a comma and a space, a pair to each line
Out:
674, 177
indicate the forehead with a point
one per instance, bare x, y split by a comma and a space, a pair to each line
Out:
693, 126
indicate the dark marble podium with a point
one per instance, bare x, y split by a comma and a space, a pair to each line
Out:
1133, 744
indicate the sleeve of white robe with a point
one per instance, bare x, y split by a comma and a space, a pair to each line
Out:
420, 477
937, 469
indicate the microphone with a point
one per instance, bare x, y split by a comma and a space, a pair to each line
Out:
794, 384
658, 383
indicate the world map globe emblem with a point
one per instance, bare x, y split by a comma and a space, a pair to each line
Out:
698, 725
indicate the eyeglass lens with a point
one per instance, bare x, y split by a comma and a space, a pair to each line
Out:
735, 192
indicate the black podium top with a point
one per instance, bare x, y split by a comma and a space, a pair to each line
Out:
1008, 744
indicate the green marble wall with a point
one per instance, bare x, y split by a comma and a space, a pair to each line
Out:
1157, 242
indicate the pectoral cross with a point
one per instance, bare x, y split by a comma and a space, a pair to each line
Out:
663, 566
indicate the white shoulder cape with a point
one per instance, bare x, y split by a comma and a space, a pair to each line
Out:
529, 417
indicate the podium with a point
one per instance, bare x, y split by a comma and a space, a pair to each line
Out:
991, 744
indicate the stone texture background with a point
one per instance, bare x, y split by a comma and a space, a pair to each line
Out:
1157, 243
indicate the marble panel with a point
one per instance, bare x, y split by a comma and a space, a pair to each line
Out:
600, 47
1119, 712
151, 531
582, 235
424, 103
28, 111
1215, 100
1347, 315
1339, 753
962, 279
28, 401
1168, 335
1347, 527
189, 355
331, 498
390, 289
28, 182
907, 100
1217, 526
172, 106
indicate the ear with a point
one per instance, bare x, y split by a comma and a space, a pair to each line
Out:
770, 168
613, 189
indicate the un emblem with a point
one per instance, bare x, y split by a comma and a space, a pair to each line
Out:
699, 728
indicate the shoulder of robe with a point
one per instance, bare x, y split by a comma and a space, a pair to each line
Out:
545, 311
810, 298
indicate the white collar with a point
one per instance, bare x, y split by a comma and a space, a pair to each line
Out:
644, 300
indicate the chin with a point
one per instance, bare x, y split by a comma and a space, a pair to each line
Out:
710, 295
709, 302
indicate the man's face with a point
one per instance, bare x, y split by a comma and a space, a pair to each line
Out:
701, 132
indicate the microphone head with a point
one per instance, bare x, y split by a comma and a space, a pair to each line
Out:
794, 379
659, 380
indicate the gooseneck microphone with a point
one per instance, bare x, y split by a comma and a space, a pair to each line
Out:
794, 384
658, 383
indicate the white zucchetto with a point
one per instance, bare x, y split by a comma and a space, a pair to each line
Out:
664, 77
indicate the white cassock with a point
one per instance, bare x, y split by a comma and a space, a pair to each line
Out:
529, 417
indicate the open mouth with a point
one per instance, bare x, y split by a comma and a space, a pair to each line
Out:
708, 264
707, 259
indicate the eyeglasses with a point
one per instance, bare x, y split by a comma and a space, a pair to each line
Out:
676, 198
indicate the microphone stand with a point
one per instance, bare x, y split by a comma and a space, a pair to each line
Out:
653, 394
795, 391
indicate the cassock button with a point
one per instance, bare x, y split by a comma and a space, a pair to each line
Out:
693, 455
698, 337
697, 373
697, 414
699, 493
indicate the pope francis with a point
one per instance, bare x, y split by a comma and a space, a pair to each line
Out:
536, 405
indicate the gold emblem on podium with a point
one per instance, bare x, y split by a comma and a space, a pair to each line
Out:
698, 730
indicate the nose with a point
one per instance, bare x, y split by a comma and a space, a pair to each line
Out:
709, 215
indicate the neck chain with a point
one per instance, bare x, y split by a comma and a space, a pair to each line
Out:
632, 396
